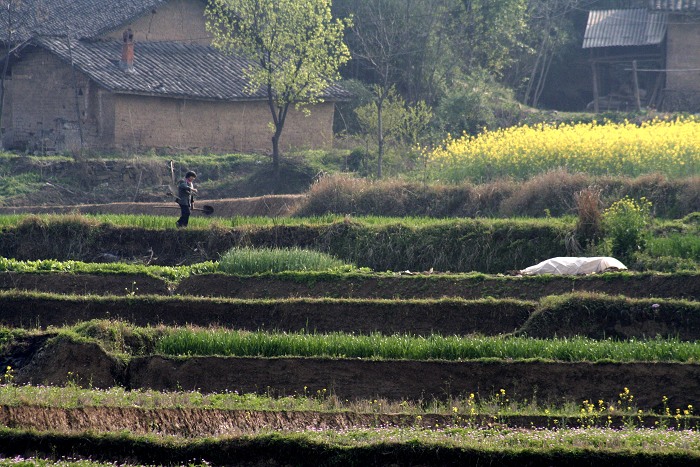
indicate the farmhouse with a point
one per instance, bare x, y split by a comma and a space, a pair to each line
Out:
134, 75
646, 57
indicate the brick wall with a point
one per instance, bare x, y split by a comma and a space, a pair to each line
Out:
179, 124
177, 20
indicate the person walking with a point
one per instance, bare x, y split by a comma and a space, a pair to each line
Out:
185, 198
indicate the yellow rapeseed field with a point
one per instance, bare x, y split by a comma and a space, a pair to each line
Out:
670, 147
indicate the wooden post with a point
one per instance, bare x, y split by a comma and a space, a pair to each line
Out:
635, 82
596, 107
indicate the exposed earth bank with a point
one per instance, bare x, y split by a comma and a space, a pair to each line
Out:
62, 362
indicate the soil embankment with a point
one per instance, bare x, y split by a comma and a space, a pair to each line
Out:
398, 286
62, 362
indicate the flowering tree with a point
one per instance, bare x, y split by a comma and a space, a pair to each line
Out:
295, 47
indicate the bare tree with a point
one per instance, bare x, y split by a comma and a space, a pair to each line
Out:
381, 36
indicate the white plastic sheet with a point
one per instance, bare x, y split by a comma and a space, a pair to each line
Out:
574, 265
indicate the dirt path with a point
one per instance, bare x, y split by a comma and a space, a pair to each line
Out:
269, 205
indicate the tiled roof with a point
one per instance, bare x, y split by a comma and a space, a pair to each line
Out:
167, 69
74, 18
674, 5
619, 28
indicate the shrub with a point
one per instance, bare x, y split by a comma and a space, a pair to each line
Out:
476, 103
553, 193
625, 223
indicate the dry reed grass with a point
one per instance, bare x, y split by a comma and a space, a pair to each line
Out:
551, 194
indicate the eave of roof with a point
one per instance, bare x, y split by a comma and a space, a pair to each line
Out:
166, 69
624, 28
674, 5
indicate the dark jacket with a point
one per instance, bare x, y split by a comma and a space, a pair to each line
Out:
184, 193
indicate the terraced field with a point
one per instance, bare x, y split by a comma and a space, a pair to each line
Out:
87, 374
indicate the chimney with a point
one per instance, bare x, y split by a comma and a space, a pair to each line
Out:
127, 61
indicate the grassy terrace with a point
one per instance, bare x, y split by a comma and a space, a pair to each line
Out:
191, 341
367, 447
376, 243
197, 222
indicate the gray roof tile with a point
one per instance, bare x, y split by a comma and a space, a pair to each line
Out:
164, 69
74, 18
619, 28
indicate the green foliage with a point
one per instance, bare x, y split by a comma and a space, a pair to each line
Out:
403, 124
170, 273
626, 223
19, 184
295, 49
675, 245
487, 31
476, 103
260, 260
190, 342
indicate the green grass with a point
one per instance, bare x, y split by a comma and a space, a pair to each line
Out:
248, 261
675, 245
165, 222
19, 184
193, 341
467, 409
204, 342
170, 273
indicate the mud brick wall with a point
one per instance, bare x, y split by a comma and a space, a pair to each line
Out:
681, 56
182, 124
43, 86
44, 112
179, 20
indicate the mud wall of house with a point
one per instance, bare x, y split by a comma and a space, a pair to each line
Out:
176, 20
51, 106
187, 125
680, 56
682, 62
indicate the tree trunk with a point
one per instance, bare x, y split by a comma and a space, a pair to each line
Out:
380, 138
276, 154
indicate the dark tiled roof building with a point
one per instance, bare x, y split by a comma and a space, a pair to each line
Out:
136, 74
654, 49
